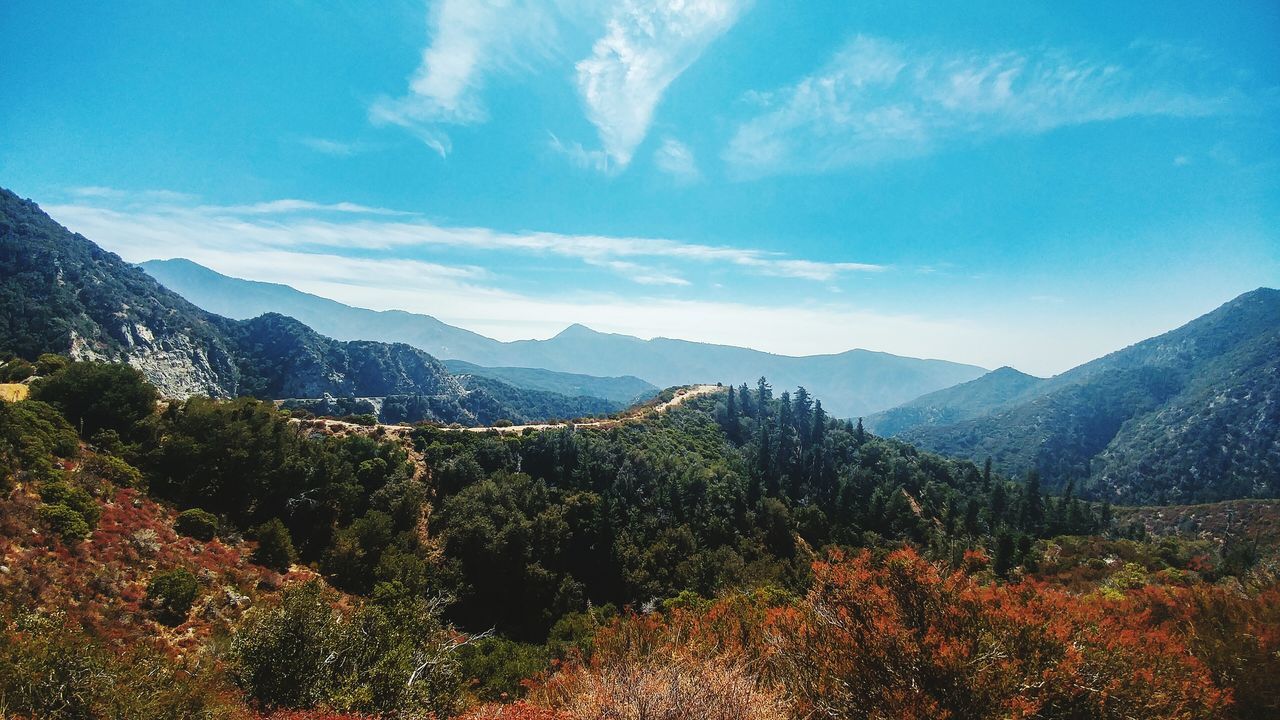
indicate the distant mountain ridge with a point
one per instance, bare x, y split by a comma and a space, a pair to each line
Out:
1188, 416
61, 293
852, 383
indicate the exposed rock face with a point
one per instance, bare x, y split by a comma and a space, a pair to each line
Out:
61, 293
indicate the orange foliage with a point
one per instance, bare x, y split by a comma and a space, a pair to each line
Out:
899, 638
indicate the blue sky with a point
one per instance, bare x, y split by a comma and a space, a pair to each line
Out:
1018, 183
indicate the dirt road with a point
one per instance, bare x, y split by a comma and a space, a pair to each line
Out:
682, 395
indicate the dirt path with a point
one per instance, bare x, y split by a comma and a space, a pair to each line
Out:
682, 395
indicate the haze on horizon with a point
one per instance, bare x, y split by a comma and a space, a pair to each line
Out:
1013, 184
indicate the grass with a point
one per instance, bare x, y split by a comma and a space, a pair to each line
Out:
13, 392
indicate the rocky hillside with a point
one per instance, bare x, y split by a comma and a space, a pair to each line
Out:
61, 293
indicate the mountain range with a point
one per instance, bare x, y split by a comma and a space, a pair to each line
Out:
1188, 416
61, 293
851, 384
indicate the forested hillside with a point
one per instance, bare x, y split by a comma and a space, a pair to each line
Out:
240, 559
1189, 416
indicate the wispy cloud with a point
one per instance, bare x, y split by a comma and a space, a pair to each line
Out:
335, 148
676, 159
647, 44
878, 100
470, 40
143, 229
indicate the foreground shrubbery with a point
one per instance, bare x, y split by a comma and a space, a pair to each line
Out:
898, 638
940, 589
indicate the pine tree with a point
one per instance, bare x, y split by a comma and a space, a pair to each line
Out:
819, 424
859, 434
999, 503
1003, 562
1032, 504
764, 395
802, 414
744, 400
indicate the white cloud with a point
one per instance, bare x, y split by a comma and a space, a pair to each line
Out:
676, 159
140, 230
470, 40
335, 148
647, 44
877, 100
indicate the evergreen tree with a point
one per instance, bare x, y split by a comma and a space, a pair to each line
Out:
744, 400
764, 396
859, 434
1032, 504
999, 504
971, 510
802, 415
1004, 553
819, 424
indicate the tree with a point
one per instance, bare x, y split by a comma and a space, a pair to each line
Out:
1003, 562
275, 547
1032, 504
764, 395
98, 396
860, 434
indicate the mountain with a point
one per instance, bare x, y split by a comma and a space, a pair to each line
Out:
853, 383
1192, 415
61, 293
959, 402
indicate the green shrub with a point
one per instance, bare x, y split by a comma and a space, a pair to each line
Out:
196, 523
49, 364
32, 434
113, 470
172, 594
98, 396
75, 498
64, 522
496, 667
16, 370
275, 547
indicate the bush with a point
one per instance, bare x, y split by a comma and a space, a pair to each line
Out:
395, 660
113, 470
16, 370
196, 523
64, 522
275, 546
98, 396
172, 594
75, 498
32, 434
49, 364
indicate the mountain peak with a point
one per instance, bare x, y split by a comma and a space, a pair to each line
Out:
577, 330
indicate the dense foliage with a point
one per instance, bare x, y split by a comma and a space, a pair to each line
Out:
740, 556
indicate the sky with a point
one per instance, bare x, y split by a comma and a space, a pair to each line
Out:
1002, 183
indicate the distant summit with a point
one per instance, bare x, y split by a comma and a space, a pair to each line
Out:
853, 383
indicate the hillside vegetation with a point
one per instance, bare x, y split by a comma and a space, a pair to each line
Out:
1190, 416
740, 555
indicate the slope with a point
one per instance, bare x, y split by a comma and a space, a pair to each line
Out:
1188, 416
